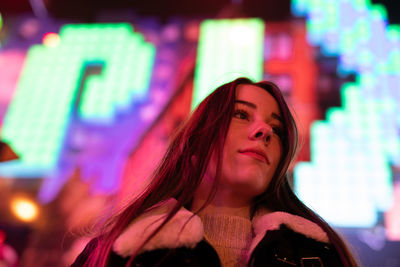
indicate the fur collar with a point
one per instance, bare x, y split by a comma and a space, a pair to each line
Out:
183, 230
186, 229
264, 221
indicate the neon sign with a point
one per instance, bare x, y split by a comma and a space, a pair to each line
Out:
58, 83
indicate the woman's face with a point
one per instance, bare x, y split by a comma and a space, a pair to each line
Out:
253, 147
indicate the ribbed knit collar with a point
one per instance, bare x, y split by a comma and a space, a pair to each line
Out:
230, 236
226, 230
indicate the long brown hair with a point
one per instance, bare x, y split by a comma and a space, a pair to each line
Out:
178, 176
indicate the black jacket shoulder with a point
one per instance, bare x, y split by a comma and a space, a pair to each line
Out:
202, 255
285, 247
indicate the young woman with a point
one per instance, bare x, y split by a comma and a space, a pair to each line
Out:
221, 195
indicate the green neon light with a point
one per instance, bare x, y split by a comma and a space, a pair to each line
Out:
36, 122
1, 24
349, 151
393, 32
378, 11
357, 143
361, 4
227, 50
328, 22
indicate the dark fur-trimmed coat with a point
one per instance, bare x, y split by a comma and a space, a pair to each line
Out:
280, 239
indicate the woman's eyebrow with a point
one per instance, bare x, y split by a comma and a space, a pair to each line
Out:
252, 105
249, 104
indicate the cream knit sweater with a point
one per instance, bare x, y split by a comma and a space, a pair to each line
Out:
230, 236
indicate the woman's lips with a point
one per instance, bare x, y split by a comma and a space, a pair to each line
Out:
259, 155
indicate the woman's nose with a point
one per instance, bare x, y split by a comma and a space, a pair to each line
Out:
261, 131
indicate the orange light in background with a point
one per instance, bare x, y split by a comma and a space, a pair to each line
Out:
51, 39
24, 209
301, 67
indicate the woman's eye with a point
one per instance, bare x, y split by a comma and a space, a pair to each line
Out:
241, 114
278, 131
